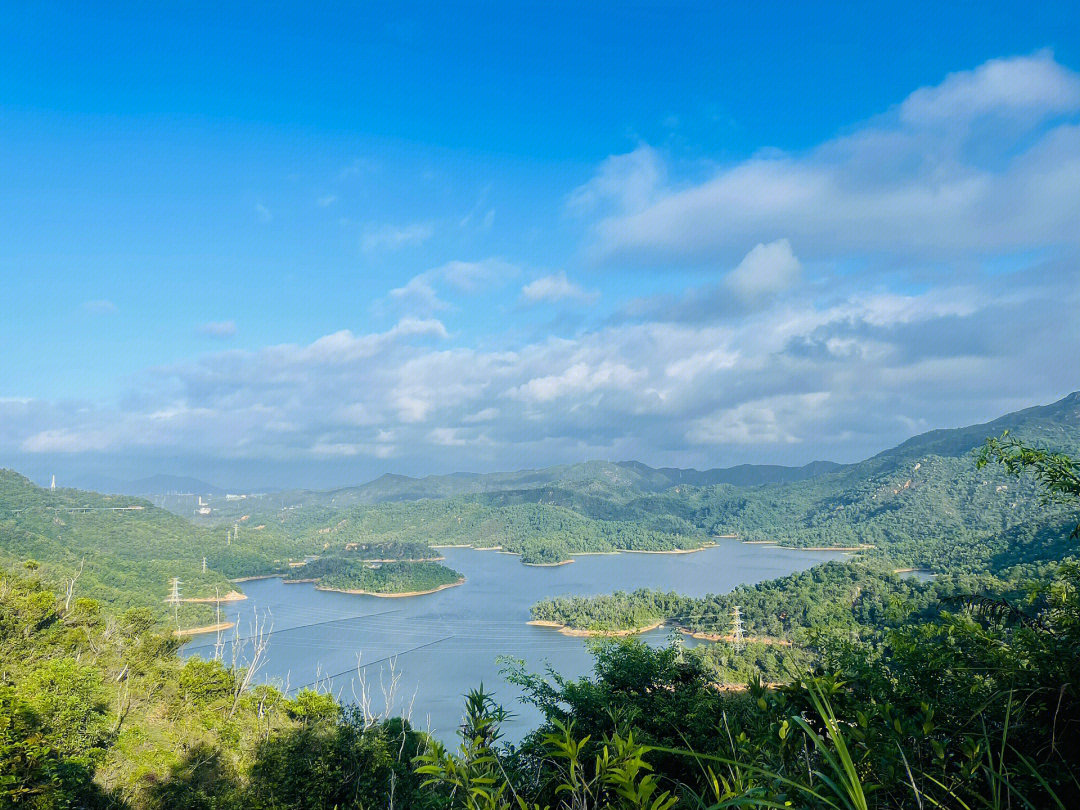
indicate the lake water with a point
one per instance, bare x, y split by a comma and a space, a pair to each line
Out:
445, 643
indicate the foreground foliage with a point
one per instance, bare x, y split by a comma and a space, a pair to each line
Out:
923, 696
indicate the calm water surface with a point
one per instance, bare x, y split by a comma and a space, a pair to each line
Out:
445, 643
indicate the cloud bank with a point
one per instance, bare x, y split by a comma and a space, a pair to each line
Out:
985, 162
919, 271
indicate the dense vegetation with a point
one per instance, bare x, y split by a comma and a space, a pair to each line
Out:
97, 710
539, 532
393, 552
848, 594
124, 551
345, 573
962, 692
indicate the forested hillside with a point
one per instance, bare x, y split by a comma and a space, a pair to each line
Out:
599, 478
125, 551
915, 695
539, 532
923, 504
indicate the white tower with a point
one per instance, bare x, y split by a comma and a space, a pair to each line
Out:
736, 626
174, 599
53, 484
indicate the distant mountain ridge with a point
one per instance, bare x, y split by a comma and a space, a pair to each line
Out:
167, 485
599, 477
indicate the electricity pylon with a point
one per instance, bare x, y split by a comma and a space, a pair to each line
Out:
174, 599
736, 626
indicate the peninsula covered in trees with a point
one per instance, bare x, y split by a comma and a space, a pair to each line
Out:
379, 579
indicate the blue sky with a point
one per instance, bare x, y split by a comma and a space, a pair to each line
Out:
283, 245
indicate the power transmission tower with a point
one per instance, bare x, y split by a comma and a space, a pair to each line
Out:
174, 599
736, 626
204, 565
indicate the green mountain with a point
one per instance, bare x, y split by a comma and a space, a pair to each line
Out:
125, 551
924, 502
605, 479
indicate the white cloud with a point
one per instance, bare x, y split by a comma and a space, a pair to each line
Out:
771, 420
766, 269
66, 441
418, 295
263, 213
630, 180
394, 237
582, 377
1023, 86
795, 379
421, 293
554, 288
895, 185
219, 329
447, 437
327, 200
476, 276
768, 361
422, 327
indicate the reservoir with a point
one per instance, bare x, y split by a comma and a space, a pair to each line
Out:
440, 645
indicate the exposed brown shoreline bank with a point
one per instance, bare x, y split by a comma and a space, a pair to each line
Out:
231, 596
779, 642
573, 631
209, 628
667, 551
866, 547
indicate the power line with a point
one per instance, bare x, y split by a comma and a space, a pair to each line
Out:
370, 663
295, 627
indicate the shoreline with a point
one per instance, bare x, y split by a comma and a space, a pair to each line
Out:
777, 544
397, 595
703, 636
231, 596
252, 579
499, 549
208, 628
667, 551
835, 548
573, 631
545, 565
